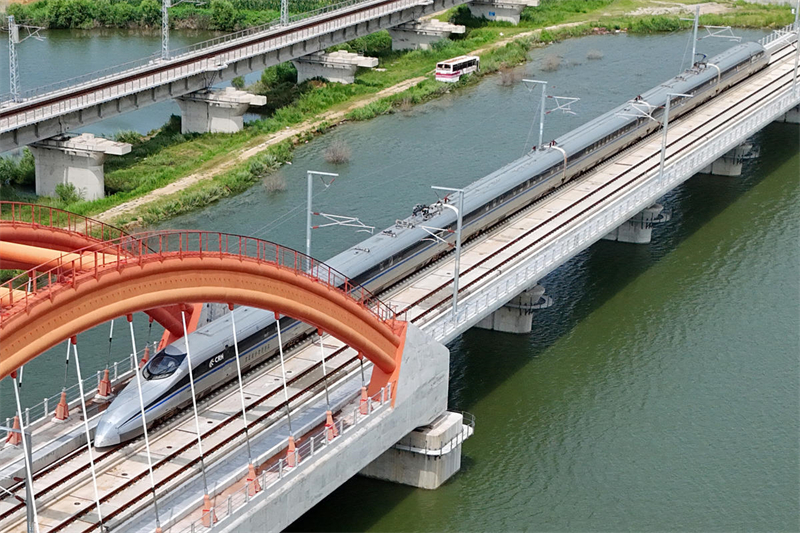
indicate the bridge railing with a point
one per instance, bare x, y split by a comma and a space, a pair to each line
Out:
311, 447
131, 67
785, 33
46, 281
118, 371
42, 215
578, 233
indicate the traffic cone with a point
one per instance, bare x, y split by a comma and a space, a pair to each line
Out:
158, 530
254, 486
330, 427
62, 409
14, 438
104, 388
363, 405
292, 457
208, 512
145, 357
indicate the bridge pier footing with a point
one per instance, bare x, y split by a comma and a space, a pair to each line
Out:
336, 67
639, 229
77, 160
420, 35
730, 164
792, 116
517, 315
426, 457
216, 111
500, 10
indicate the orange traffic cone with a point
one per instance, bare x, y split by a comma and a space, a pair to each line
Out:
208, 512
252, 480
145, 357
330, 427
14, 438
292, 457
363, 405
62, 409
158, 530
104, 388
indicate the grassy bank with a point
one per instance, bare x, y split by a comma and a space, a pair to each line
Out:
165, 156
222, 15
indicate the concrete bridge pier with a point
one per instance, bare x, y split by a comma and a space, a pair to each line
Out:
792, 116
337, 67
426, 457
500, 10
730, 164
420, 34
216, 111
517, 315
639, 229
74, 159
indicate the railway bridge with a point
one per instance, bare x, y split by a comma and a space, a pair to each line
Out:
41, 116
263, 457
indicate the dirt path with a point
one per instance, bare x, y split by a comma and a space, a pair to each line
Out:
220, 166
224, 163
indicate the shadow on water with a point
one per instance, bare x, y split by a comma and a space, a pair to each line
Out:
578, 288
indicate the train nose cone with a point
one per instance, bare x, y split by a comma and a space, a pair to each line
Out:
105, 435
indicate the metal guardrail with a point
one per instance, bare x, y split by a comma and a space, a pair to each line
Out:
42, 215
179, 72
467, 430
43, 411
445, 327
63, 274
787, 32
313, 447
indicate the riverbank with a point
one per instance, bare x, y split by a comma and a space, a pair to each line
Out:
167, 173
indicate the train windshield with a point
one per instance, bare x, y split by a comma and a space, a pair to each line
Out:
162, 365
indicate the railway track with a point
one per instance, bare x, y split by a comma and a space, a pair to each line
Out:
516, 247
643, 169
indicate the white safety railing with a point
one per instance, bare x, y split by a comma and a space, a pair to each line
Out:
589, 228
312, 447
160, 76
785, 34
118, 372
467, 430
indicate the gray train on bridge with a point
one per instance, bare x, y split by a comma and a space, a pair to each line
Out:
384, 259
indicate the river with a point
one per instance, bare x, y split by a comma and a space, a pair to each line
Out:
659, 392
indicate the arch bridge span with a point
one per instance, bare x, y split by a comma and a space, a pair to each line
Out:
138, 272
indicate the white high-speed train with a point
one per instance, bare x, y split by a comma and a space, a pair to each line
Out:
404, 248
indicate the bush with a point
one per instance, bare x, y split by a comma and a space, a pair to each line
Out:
129, 136
17, 171
223, 15
149, 13
338, 152
70, 13
551, 63
238, 82
67, 193
594, 54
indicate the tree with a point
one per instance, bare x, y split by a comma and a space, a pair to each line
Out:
150, 12
224, 15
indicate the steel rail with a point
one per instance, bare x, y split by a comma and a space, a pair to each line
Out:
520, 238
191, 444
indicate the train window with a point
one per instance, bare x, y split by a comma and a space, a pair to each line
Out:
162, 365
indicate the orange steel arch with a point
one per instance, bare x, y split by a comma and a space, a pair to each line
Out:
33, 235
191, 266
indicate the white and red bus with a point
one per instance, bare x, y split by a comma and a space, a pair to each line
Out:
452, 69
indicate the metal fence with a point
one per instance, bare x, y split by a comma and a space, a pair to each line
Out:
117, 372
63, 274
589, 228
312, 446
41, 215
467, 430
785, 34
